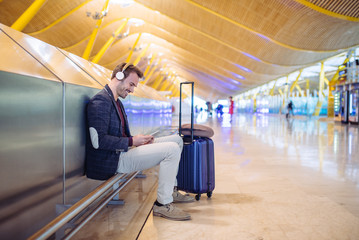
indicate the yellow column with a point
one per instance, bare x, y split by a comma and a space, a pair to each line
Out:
174, 82
299, 90
326, 81
133, 48
174, 85
174, 92
26, 17
149, 75
272, 90
157, 83
177, 94
286, 87
152, 71
93, 36
109, 42
150, 64
295, 82
330, 112
138, 59
285, 95
318, 107
254, 102
321, 81
166, 84
280, 91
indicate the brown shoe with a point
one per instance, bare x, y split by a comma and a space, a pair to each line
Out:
181, 198
170, 211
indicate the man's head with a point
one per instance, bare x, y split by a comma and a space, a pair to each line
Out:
126, 69
121, 86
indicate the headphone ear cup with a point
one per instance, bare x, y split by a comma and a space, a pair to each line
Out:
120, 75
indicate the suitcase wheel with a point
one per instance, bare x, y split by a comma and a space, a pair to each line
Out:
209, 194
198, 196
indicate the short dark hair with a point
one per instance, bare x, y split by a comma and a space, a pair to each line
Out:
130, 68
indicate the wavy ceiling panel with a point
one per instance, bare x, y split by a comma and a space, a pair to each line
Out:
288, 22
225, 46
170, 52
347, 9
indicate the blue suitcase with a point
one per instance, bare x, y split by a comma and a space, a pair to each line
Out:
196, 169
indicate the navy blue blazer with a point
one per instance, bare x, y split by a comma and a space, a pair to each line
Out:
104, 141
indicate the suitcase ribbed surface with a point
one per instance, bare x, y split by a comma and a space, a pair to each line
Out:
196, 168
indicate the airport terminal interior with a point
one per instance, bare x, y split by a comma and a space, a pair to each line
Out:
276, 80
275, 179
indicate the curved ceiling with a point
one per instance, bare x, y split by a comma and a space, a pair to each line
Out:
226, 47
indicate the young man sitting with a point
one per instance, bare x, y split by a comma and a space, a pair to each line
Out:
111, 147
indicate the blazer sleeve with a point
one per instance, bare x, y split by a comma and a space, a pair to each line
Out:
99, 113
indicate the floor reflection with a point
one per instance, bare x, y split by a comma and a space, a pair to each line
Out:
324, 145
275, 179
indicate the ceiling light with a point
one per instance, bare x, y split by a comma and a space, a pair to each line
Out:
122, 3
135, 22
253, 57
237, 75
243, 68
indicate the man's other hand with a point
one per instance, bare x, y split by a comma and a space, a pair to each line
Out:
139, 140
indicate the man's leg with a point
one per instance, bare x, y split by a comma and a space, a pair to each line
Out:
171, 138
167, 155
177, 196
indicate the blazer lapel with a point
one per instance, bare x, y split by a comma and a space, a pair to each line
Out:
127, 129
122, 109
108, 90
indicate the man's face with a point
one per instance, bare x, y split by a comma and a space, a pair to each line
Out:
127, 85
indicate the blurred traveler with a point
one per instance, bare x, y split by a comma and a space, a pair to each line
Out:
231, 106
209, 108
290, 108
219, 110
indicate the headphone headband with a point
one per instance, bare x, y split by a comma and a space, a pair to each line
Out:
121, 75
125, 67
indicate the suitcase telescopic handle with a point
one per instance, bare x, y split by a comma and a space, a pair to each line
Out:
180, 108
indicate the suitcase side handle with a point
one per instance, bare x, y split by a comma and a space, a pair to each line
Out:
180, 108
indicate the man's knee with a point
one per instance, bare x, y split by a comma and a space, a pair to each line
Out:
179, 141
172, 149
178, 138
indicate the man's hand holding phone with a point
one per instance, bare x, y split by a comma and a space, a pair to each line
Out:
140, 139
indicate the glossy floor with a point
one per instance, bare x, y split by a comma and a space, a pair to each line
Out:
275, 179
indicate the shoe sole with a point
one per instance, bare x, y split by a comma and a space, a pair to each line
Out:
167, 217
